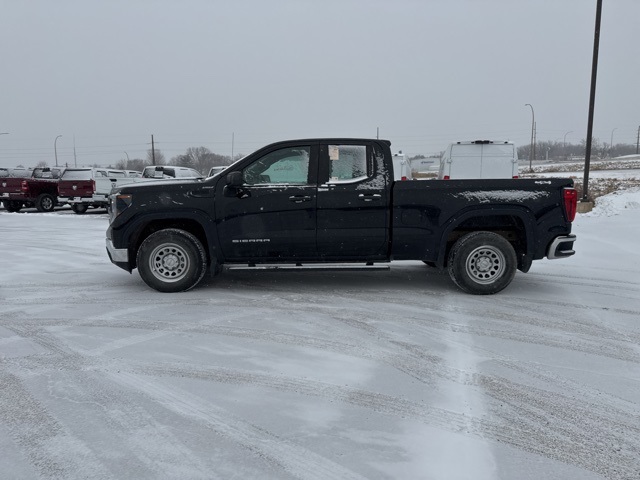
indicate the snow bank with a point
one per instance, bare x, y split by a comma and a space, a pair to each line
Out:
615, 203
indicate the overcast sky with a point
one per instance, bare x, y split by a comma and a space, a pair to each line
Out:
109, 74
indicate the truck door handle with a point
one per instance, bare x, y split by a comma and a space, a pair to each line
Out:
369, 197
299, 198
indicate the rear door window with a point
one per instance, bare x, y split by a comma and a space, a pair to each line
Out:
348, 163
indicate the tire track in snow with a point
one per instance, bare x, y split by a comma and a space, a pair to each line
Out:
534, 427
294, 459
563, 428
48, 445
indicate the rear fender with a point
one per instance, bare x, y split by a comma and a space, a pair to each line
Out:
520, 213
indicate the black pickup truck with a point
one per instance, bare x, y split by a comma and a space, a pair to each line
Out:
334, 201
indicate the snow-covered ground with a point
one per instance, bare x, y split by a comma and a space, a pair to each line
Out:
323, 375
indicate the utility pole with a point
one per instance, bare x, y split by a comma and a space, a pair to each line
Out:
531, 147
153, 152
638, 141
233, 134
75, 159
592, 100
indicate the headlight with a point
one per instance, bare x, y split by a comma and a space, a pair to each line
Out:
119, 203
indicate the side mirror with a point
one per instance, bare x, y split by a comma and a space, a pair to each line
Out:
234, 179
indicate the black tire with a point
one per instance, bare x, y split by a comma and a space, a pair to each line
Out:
79, 208
45, 202
171, 260
482, 263
12, 205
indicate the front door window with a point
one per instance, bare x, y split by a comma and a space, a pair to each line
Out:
288, 166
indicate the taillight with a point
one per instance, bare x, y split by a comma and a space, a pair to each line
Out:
403, 177
24, 186
570, 197
93, 185
446, 177
515, 176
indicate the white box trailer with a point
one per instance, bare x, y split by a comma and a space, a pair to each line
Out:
401, 167
479, 159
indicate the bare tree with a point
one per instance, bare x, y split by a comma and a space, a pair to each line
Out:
136, 164
159, 157
200, 158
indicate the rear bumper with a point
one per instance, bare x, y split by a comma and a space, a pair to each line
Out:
93, 200
561, 247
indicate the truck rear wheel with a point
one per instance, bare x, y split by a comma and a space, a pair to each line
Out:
171, 260
12, 205
79, 208
45, 203
482, 263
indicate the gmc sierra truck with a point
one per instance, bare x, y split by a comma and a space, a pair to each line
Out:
334, 201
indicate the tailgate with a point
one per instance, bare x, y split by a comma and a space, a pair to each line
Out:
10, 185
75, 188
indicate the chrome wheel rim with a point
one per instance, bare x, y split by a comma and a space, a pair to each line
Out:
169, 262
485, 264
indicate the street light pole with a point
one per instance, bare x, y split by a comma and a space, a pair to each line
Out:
533, 122
592, 101
564, 143
55, 148
611, 141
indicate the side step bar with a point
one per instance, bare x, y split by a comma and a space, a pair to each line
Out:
310, 267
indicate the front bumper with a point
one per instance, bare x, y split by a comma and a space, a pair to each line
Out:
561, 247
118, 256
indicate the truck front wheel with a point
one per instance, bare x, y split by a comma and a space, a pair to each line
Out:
171, 260
45, 203
482, 263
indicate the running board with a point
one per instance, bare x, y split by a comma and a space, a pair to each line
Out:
311, 267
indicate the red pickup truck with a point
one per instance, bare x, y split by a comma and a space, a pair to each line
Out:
10, 180
40, 190
90, 187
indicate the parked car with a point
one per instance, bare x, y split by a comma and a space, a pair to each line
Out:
479, 159
169, 171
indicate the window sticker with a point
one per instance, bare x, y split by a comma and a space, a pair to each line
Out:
334, 153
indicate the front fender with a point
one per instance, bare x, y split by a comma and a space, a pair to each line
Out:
132, 233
